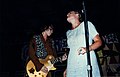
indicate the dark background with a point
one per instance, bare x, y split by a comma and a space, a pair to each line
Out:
21, 18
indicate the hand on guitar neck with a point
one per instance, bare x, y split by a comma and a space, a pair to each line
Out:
66, 50
64, 57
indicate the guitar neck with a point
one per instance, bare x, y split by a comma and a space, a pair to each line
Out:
58, 59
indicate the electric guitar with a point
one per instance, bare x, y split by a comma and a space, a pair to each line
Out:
48, 62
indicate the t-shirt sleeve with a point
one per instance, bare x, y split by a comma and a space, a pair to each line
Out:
92, 30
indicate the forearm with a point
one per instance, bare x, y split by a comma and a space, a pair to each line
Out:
64, 73
95, 45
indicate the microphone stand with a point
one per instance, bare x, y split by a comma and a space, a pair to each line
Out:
87, 41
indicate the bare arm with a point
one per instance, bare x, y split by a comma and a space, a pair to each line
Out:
64, 73
97, 43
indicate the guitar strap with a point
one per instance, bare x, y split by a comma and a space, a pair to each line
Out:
40, 51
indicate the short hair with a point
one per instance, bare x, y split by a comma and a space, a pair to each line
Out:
77, 12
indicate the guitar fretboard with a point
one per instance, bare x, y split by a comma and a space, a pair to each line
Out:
58, 59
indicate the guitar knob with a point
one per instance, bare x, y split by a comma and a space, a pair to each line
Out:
50, 57
39, 73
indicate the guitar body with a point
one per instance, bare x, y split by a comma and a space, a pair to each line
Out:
31, 70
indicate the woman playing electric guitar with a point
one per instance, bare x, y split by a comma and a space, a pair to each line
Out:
42, 54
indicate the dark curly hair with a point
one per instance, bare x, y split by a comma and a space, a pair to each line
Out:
46, 26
